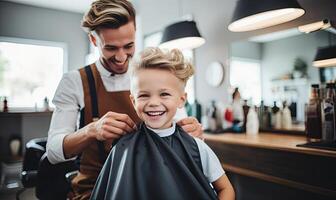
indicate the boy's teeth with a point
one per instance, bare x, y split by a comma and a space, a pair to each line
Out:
155, 113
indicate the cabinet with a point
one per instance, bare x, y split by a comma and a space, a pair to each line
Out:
23, 125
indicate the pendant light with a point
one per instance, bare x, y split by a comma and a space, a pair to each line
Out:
325, 57
252, 15
181, 35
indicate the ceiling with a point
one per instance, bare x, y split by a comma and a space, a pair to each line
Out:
78, 6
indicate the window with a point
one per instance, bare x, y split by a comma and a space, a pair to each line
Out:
245, 74
30, 70
153, 40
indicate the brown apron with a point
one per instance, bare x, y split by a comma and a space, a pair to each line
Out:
91, 162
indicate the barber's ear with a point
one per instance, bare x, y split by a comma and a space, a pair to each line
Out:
183, 100
93, 39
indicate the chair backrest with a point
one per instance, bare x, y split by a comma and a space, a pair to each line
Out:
35, 148
51, 180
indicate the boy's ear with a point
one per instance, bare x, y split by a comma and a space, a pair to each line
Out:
183, 100
132, 100
93, 39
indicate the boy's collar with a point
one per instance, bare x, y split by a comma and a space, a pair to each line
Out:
164, 132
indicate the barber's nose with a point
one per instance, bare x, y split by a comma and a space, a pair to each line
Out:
121, 56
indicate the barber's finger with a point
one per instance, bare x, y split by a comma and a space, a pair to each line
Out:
124, 118
111, 130
198, 132
112, 133
121, 125
189, 128
186, 121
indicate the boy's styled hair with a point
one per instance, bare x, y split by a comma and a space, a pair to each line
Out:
108, 14
173, 61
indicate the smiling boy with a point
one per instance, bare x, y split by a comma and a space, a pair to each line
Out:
161, 161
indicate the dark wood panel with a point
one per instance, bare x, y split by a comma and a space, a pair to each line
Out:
312, 170
249, 188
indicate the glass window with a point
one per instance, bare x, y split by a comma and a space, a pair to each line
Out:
153, 40
30, 71
245, 74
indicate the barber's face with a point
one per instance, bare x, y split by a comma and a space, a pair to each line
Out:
116, 47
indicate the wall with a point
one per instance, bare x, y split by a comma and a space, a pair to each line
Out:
212, 18
278, 58
29, 22
245, 49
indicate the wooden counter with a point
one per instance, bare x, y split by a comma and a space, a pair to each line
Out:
270, 141
274, 158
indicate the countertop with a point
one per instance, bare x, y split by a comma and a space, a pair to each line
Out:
269, 141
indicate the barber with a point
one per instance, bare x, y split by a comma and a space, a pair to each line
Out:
92, 104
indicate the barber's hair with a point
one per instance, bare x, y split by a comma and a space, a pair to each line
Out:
173, 61
108, 14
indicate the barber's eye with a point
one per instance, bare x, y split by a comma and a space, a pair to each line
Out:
111, 48
129, 47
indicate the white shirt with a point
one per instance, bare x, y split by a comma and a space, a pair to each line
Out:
212, 169
68, 101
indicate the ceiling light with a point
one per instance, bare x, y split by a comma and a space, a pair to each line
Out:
181, 35
251, 15
308, 28
325, 57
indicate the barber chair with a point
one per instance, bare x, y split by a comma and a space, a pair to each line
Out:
50, 181
35, 148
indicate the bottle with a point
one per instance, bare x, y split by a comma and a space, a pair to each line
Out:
267, 117
212, 117
276, 116
46, 104
327, 114
252, 123
286, 117
197, 110
5, 105
261, 111
313, 123
188, 108
245, 109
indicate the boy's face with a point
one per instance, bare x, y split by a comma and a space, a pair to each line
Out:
156, 94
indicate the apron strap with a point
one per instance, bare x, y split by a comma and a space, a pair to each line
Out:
94, 106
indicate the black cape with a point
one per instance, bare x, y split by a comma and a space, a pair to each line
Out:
155, 168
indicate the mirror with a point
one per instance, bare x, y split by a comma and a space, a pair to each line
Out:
285, 67
215, 74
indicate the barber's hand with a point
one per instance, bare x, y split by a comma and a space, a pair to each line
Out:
112, 126
191, 126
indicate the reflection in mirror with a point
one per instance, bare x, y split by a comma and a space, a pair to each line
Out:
286, 70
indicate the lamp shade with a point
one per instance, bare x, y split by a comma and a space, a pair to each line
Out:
325, 57
252, 15
181, 35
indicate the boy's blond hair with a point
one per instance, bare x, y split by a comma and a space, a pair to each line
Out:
173, 61
108, 14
